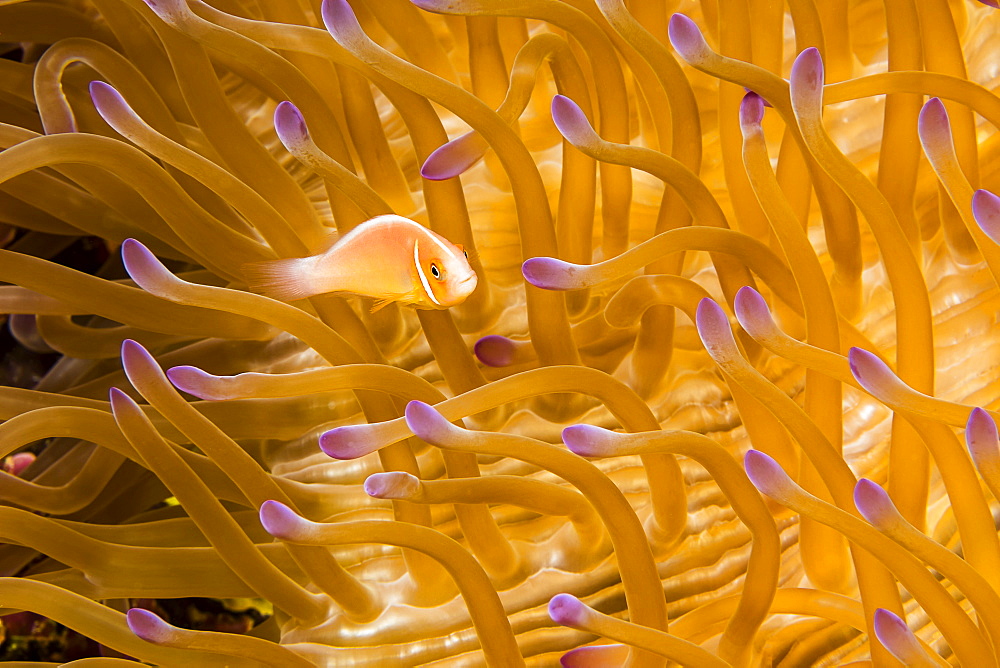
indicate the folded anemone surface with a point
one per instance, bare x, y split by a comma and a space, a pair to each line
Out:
721, 396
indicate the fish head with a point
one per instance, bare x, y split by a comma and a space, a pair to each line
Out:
443, 268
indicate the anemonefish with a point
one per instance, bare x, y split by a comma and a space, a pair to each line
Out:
389, 258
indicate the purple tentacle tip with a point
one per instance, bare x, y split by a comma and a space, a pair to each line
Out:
337, 16
278, 519
348, 442
686, 38
866, 367
873, 503
765, 473
981, 435
991, 3
856, 359
710, 311
187, 379
441, 164
986, 211
807, 72
425, 422
751, 309
548, 273
933, 117
751, 110
763, 101
587, 440
570, 120
891, 630
138, 364
168, 9
136, 257
122, 406
142, 266
104, 95
118, 399
712, 324
147, 625
391, 485
289, 124
16, 463
566, 609
495, 350
135, 355
883, 616
982, 424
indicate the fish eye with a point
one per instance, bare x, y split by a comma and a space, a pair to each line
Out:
435, 272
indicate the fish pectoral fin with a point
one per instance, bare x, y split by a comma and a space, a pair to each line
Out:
403, 298
325, 243
380, 304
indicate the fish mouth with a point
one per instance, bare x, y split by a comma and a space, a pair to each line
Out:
466, 286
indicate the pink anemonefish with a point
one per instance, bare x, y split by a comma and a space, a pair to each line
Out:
390, 258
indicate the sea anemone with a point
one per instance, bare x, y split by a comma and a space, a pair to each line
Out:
698, 409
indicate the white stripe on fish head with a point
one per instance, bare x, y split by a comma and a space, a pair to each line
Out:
449, 252
420, 272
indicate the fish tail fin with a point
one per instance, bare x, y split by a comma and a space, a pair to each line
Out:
279, 279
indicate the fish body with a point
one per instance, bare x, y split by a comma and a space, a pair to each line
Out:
389, 258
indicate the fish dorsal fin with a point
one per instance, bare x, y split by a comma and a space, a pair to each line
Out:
424, 283
470, 253
325, 242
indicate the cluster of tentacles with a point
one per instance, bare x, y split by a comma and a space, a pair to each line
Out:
699, 409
